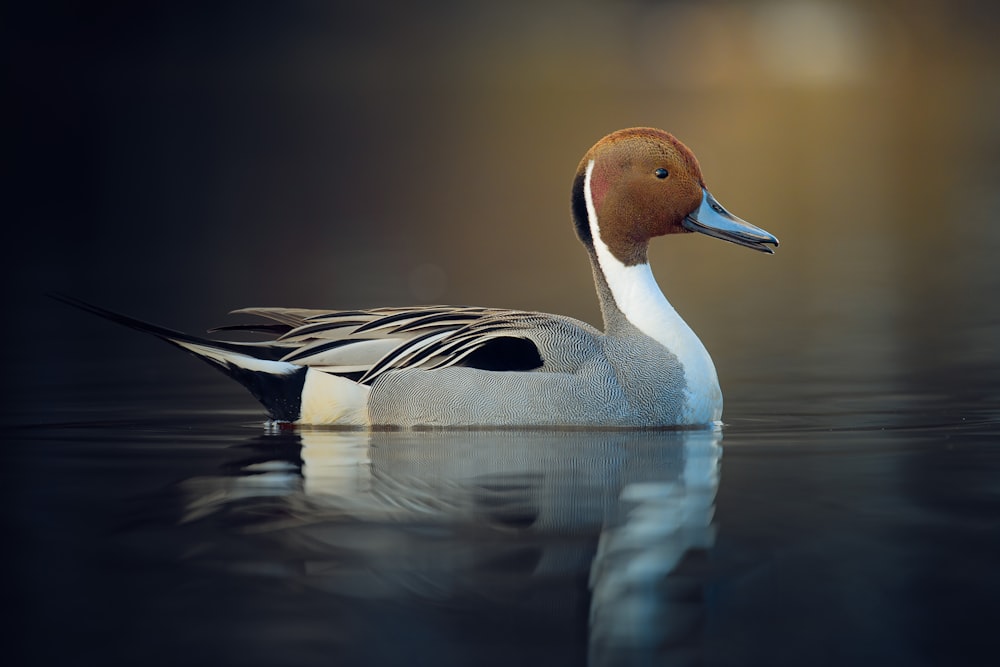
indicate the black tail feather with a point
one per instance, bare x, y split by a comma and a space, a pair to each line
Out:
279, 393
258, 350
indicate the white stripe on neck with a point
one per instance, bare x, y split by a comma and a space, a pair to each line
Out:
640, 300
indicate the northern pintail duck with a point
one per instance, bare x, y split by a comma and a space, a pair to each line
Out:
467, 366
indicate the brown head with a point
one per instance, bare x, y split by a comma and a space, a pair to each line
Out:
645, 183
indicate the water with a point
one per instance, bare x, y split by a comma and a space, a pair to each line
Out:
163, 523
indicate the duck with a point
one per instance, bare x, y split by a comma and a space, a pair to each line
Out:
464, 366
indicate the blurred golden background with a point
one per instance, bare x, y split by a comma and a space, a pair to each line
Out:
179, 160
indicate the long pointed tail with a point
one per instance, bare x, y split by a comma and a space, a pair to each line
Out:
258, 367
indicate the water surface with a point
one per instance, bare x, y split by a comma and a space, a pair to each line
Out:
145, 530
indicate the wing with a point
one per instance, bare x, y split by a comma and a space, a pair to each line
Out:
364, 344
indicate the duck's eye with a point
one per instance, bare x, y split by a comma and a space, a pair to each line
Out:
661, 173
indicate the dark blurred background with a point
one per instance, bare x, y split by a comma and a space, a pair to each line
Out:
178, 160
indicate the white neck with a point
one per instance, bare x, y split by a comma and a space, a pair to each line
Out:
640, 300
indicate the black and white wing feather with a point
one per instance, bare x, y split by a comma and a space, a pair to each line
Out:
364, 344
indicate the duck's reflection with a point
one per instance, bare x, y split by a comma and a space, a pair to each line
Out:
493, 514
642, 606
